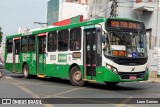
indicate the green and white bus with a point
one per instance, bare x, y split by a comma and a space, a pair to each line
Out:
108, 50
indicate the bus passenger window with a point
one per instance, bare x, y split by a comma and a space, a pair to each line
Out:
77, 45
63, 38
24, 44
31, 43
9, 45
52, 41
75, 39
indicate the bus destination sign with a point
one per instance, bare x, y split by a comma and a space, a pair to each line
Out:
124, 24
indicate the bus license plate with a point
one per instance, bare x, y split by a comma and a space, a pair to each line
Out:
132, 77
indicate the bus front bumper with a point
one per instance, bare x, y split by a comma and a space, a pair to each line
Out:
103, 74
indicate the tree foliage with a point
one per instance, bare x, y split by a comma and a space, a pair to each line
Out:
1, 33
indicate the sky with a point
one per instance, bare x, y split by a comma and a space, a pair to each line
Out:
21, 13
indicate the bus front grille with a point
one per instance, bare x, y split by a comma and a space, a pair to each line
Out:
126, 75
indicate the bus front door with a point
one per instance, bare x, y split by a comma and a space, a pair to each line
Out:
41, 56
92, 52
16, 52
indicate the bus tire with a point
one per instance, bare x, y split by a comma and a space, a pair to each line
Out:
75, 77
111, 83
26, 71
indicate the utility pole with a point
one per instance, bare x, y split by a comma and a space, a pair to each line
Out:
113, 8
40, 23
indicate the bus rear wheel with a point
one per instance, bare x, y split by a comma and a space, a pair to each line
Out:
111, 83
26, 71
75, 77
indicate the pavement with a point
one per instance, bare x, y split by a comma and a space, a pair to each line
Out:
8, 75
154, 80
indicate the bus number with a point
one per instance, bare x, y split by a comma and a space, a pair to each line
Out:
52, 57
133, 25
114, 24
141, 50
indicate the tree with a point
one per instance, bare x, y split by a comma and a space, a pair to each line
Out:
1, 33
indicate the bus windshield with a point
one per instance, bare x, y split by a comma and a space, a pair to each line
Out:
120, 43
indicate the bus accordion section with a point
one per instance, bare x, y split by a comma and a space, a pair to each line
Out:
109, 50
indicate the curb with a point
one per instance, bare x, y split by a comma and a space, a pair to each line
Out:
154, 80
8, 77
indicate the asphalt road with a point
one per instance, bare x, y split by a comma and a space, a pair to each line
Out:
15, 86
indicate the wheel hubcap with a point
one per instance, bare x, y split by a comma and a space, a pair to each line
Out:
77, 76
25, 71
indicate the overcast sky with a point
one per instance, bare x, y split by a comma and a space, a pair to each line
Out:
21, 13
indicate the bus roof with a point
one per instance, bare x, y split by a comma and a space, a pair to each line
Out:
12, 36
79, 24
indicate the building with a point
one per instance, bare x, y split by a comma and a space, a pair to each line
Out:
98, 8
84, 2
147, 11
23, 30
63, 9
52, 11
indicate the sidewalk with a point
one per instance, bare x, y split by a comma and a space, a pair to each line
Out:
1, 70
154, 80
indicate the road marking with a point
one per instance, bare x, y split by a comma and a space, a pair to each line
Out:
9, 77
68, 91
31, 93
122, 104
58, 95
62, 97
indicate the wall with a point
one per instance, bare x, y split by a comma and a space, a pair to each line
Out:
2, 49
98, 8
158, 27
69, 9
125, 9
151, 20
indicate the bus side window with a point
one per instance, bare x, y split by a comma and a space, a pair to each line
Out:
52, 41
31, 43
24, 48
77, 45
9, 45
24, 44
75, 39
63, 38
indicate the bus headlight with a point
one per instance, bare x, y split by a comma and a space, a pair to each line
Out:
113, 69
109, 67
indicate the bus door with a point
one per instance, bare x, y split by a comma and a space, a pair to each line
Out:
16, 52
41, 54
92, 52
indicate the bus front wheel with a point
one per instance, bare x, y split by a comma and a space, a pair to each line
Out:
75, 77
25, 71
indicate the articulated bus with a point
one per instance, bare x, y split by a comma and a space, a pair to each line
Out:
108, 50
